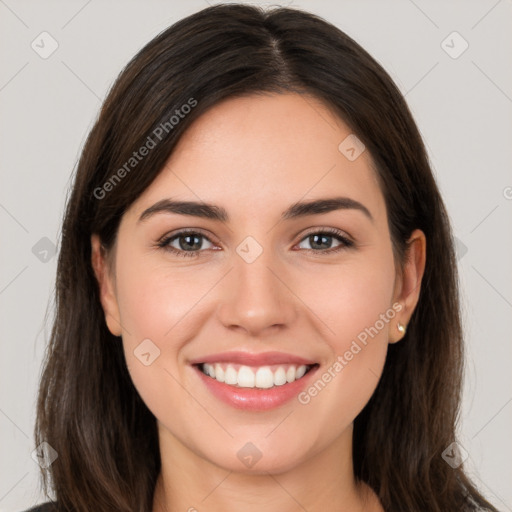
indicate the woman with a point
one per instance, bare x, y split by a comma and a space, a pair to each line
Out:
208, 351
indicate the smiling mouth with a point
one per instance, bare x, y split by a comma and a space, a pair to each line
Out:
260, 377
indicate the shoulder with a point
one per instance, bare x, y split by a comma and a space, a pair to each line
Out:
44, 507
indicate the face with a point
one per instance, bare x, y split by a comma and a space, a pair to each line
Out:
260, 291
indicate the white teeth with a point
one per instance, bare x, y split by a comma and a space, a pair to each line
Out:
264, 378
231, 376
280, 376
219, 373
248, 377
301, 370
209, 369
245, 377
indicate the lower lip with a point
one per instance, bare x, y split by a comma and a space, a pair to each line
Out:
255, 399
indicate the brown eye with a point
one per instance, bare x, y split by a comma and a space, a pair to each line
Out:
321, 241
184, 243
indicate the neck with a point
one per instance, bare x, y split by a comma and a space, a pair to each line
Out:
325, 481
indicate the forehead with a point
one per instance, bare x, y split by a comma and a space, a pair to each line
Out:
256, 152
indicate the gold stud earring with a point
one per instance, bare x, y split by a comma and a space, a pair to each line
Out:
401, 328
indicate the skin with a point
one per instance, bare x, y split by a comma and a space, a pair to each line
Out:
255, 156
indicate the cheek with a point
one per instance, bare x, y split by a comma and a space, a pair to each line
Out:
163, 304
351, 298
356, 317
153, 300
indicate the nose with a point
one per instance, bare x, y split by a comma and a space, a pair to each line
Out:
257, 297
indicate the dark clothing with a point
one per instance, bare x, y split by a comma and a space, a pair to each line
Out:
45, 507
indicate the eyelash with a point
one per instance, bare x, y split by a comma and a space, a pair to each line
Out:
336, 233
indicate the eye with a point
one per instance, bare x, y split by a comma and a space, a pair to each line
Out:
319, 239
186, 243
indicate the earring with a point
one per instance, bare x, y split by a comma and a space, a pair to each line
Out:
401, 328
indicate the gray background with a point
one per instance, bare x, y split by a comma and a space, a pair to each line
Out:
462, 106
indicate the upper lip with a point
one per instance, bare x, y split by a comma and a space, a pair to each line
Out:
251, 359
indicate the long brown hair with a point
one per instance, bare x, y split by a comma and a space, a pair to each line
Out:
88, 408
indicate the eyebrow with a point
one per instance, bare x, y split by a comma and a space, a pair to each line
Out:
218, 213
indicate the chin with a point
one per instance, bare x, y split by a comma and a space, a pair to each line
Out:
258, 455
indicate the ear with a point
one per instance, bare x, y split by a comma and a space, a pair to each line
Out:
106, 286
408, 284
